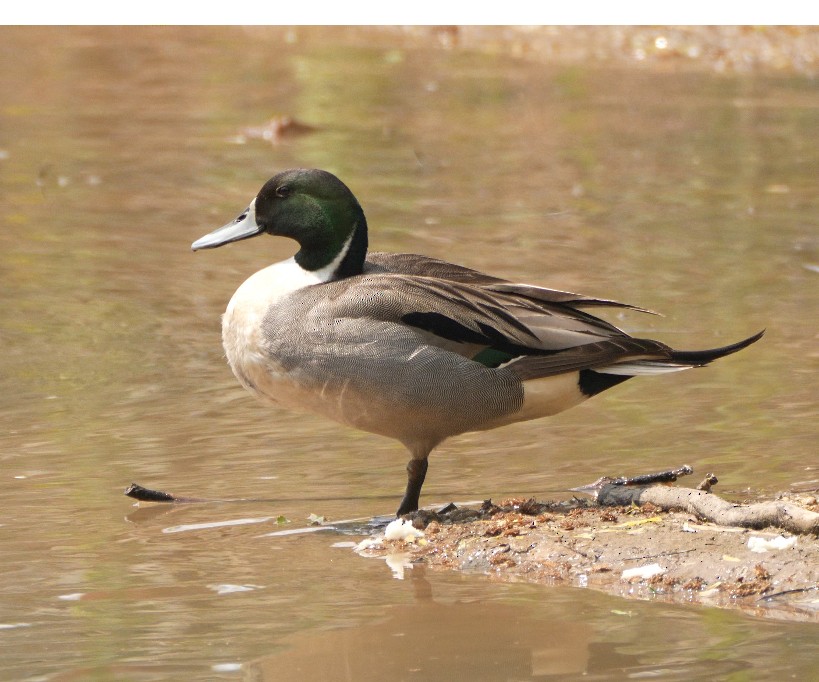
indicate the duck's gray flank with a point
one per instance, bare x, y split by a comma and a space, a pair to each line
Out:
407, 346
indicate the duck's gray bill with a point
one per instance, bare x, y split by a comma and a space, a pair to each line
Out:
242, 227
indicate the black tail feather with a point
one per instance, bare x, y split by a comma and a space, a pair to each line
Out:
698, 358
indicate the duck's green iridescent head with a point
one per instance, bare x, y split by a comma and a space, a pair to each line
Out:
311, 206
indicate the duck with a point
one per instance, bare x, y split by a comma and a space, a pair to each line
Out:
408, 346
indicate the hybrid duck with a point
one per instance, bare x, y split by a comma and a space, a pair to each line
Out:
406, 346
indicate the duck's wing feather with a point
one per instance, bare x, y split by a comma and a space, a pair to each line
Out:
565, 297
462, 313
424, 266
415, 264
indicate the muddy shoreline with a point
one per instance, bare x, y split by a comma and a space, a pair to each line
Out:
596, 547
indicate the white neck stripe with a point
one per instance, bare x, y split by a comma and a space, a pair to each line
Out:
326, 273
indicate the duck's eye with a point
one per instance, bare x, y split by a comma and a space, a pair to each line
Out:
283, 191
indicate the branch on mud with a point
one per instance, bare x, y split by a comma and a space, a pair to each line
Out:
712, 508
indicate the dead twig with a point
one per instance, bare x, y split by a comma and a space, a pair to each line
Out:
669, 476
797, 590
640, 490
710, 507
661, 554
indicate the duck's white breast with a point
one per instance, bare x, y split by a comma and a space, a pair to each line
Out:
242, 322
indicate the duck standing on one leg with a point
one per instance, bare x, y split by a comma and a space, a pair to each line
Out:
407, 346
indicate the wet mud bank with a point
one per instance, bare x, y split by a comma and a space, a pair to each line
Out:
632, 551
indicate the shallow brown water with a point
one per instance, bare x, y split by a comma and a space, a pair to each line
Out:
684, 192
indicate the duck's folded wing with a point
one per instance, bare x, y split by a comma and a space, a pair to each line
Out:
424, 266
563, 297
461, 313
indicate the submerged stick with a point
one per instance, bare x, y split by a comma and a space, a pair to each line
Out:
769, 597
141, 494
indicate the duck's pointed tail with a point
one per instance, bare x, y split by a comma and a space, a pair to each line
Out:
697, 358
677, 359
